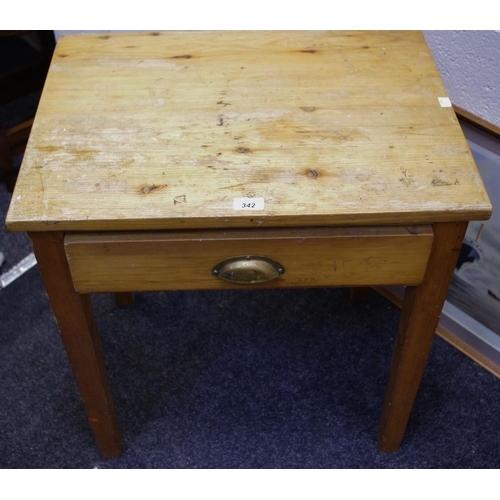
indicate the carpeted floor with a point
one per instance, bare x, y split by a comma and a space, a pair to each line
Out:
244, 379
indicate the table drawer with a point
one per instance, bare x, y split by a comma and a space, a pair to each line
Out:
185, 260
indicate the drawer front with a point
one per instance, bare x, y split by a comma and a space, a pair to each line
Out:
185, 260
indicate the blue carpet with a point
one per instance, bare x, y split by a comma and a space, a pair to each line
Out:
243, 379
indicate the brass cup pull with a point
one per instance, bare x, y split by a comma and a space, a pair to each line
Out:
247, 269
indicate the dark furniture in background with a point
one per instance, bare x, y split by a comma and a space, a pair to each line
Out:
24, 61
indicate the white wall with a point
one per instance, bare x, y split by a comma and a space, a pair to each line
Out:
469, 64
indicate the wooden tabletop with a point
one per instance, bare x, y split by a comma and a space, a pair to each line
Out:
172, 130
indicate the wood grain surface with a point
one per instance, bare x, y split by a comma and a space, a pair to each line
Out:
164, 131
183, 260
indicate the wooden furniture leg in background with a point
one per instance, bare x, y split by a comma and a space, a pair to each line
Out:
419, 319
360, 293
124, 299
75, 319
12, 141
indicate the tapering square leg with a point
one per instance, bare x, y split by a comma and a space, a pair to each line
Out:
419, 319
75, 319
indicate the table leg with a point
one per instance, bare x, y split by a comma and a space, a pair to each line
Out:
419, 318
360, 293
75, 319
124, 299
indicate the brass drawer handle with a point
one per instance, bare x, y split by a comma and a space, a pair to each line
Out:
247, 269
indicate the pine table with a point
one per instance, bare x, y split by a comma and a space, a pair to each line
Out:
222, 160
